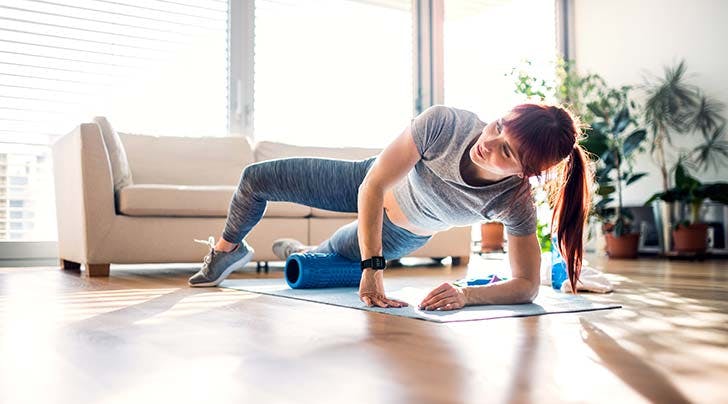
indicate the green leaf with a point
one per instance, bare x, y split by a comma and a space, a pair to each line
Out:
717, 192
628, 214
633, 141
608, 159
621, 121
602, 174
605, 190
601, 127
683, 180
595, 143
655, 197
603, 203
635, 177
595, 109
619, 227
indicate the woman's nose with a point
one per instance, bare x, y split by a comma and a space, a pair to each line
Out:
488, 145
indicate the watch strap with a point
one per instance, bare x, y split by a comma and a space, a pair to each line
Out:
376, 263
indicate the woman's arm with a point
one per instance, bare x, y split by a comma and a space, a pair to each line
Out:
392, 164
524, 255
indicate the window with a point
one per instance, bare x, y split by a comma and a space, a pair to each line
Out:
157, 67
332, 72
484, 40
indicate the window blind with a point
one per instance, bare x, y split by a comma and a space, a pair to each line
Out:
153, 67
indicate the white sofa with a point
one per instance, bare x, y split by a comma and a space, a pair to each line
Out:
181, 191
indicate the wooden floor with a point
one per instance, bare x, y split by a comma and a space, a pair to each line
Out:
143, 336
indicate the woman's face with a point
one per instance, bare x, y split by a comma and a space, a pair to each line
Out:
494, 153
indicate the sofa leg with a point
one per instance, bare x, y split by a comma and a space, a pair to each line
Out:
66, 264
94, 270
457, 261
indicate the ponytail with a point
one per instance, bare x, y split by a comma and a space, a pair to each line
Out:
570, 211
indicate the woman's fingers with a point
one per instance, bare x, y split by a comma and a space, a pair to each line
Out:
396, 303
401, 303
436, 291
373, 300
443, 291
382, 301
448, 303
435, 298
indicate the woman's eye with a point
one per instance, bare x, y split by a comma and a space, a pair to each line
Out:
505, 152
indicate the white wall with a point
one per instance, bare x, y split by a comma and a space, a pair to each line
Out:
623, 40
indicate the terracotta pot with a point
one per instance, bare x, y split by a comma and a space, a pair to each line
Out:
692, 238
625, 246
491, 236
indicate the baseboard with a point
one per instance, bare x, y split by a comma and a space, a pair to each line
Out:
32, 262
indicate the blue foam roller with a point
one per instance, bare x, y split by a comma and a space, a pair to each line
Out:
321, 270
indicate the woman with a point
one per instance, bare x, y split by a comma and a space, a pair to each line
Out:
448, 168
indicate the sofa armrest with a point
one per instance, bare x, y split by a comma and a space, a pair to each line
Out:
84, 193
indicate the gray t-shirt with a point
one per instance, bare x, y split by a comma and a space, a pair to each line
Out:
434, 195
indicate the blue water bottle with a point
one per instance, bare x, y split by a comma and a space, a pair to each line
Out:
558, 266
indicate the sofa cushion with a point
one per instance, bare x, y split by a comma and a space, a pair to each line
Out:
265, 150
192, 201
187, 160
120, 171
316, 212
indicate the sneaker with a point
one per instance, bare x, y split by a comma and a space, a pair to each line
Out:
217, 265
284, 247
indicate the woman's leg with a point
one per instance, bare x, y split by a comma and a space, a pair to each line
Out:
329, 184
396, 241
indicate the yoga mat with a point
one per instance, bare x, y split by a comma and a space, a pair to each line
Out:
412, 291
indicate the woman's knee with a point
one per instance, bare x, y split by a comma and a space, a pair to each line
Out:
253, 175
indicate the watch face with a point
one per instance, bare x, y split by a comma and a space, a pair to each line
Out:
378, 263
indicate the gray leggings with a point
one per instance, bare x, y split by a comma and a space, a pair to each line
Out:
329, 184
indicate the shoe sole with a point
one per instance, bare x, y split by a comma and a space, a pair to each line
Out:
234, 266
280, 256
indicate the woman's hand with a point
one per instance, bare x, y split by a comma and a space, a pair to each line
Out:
444, 297
371, 290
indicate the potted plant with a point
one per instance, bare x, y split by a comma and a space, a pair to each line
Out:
690, 236
614, 172
675, 106
491, 236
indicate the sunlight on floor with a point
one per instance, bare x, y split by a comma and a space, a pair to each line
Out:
199, 303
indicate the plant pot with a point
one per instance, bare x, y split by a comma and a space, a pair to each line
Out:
624, 246
691, 239
491, 236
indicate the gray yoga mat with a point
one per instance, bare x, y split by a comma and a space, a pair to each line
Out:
413, 291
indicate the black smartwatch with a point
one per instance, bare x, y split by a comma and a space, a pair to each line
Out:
375, 263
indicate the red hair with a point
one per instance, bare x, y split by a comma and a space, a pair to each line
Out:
547, 136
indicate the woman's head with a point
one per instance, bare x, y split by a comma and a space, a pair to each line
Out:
544, 134
545, 137
529, 139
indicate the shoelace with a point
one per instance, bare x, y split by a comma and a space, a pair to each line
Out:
210, 243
